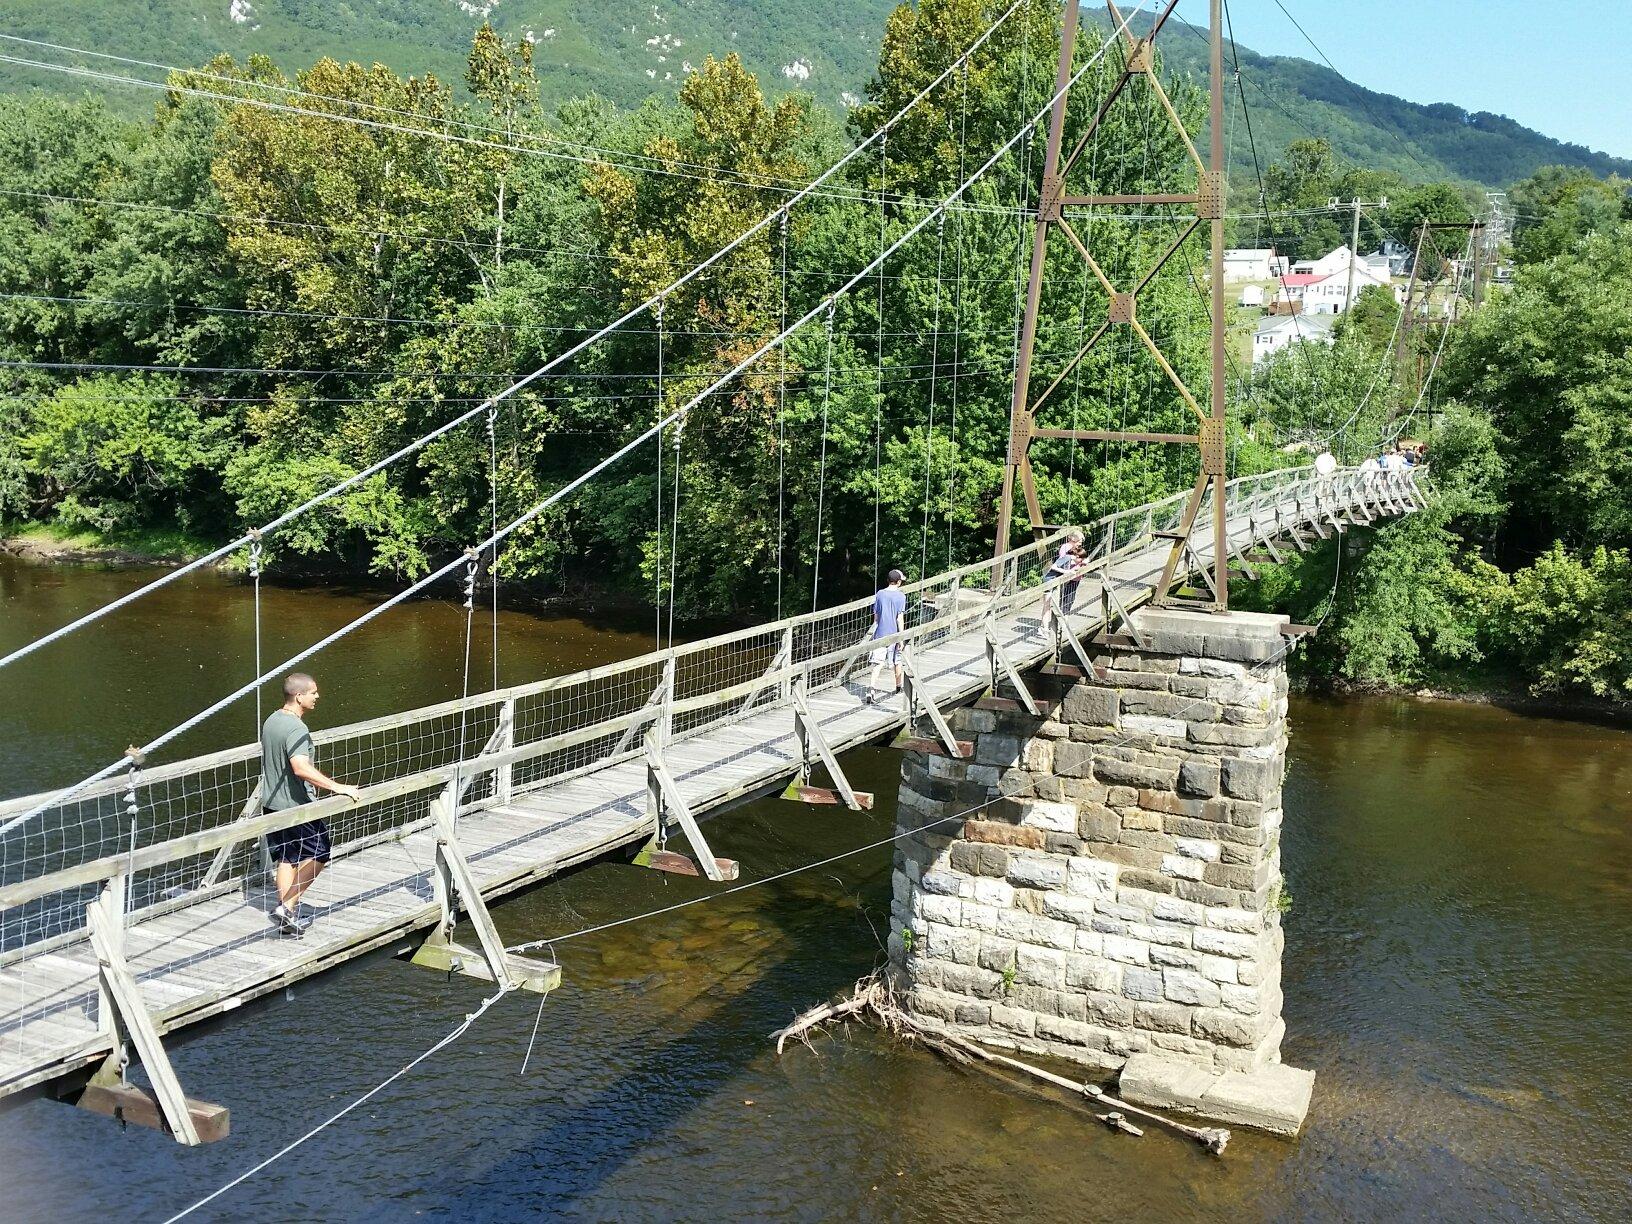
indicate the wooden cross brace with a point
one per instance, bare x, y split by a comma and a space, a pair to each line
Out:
771, 675
809, 730
919, 701
667, 800
125, 1018
455, 886
655, 703
1114, 611
1002, 666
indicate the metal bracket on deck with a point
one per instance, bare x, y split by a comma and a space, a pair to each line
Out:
809, 730
665, 799
1001, 666
455, 884
945, 743
125, 1019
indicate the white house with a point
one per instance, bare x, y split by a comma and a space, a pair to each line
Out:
1335, 260
1252, 295
1249, 264
1275, 332
1322, 285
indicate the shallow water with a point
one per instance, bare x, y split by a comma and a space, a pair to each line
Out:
1457, 972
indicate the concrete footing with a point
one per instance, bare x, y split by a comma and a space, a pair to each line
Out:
1272, 1098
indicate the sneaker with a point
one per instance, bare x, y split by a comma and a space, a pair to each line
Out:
289, 924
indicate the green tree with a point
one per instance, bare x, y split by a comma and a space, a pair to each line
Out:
1559, 205
1549, 360
112, 452
1569, 617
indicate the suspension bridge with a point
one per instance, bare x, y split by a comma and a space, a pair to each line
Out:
469, 800
134, 904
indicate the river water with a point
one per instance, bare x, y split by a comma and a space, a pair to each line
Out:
1458, 971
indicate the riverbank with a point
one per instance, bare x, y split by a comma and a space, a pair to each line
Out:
1508, 694
54, 544
49, 544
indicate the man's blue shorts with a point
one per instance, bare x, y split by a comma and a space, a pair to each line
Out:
300, 843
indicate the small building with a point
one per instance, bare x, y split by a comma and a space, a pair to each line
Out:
1276, 332
1249, 264
1252, 295
1399, 256
1324, 289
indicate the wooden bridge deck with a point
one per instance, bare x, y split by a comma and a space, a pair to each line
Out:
211, 956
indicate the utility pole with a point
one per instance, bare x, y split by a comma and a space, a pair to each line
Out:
1207, 199
1410, 301
1476, 230
1354, 237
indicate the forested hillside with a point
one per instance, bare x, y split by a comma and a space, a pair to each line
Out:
623, 50
628, 50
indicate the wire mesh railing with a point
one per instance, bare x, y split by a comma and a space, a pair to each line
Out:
189, 828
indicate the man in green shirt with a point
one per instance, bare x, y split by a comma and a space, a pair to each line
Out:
289, 779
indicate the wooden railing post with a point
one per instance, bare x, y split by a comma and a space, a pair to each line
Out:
505, 776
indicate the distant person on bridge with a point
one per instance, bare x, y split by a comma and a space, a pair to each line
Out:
1069, 560
889, 617
289, 779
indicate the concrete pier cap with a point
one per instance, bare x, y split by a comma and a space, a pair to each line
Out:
1116, 901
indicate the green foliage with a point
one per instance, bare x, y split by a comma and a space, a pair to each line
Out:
1569, 619
335, 291
1549, 359
110, 452
1372, 319
1558, 206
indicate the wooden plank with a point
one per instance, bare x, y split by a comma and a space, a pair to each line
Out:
126, 1103
1010, 705
674, 863
822, 795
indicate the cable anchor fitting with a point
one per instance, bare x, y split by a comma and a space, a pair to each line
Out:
473, 560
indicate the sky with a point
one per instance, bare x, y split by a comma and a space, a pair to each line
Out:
1558, 68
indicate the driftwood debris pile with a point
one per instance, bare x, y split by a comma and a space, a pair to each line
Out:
873, 1001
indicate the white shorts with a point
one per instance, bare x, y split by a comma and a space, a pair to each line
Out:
886, 654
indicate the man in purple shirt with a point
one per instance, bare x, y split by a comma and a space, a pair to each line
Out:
889, 618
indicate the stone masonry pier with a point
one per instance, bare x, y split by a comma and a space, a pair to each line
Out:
1117, 905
